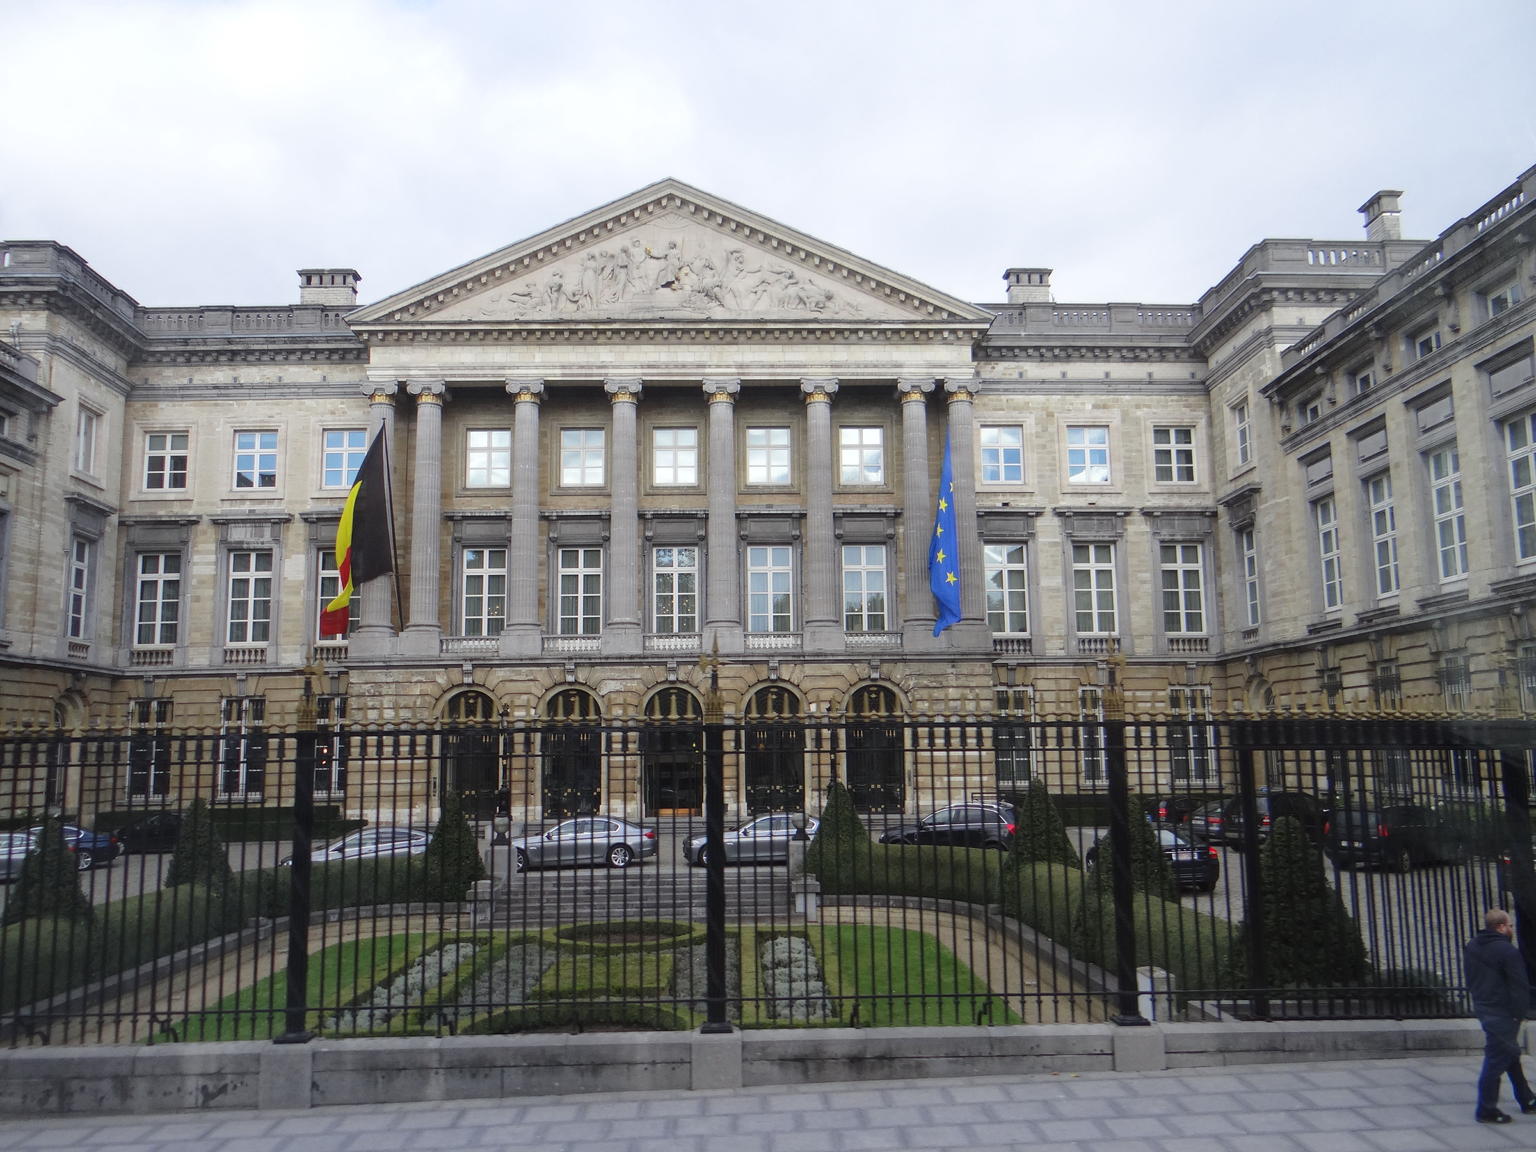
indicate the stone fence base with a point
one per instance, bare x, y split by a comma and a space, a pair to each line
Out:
253, 1074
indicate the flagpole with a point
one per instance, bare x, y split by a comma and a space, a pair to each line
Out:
389, 502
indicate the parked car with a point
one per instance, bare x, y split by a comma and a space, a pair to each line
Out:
89, 848
1172, 809
372, 844
974, 824
1196, 867
1206, 822
1271, 805
585, 840
764, 839
152, 832
1391, 835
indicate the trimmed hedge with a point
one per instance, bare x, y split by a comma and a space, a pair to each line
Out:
243, 823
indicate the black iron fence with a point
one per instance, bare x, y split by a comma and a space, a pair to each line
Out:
508, 876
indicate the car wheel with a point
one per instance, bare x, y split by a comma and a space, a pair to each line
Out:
521, 862
84, 861
1402, 861
620, 856
702, 859
996, 845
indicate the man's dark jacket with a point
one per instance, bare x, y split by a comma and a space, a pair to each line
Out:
1496, 977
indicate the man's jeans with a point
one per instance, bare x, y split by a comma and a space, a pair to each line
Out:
1501, 1054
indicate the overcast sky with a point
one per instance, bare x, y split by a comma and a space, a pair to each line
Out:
199, 151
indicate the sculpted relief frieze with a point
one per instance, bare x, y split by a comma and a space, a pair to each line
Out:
686, 272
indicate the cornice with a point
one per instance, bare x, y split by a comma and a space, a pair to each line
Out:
630, 332
988, 352
351, 352
55, 347
253, 390
1266, 297
64, 297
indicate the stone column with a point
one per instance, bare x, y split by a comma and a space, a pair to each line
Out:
622, 631
523, 634
722, 594
822, 625
917, 513
375, 635
423, 634
972, 629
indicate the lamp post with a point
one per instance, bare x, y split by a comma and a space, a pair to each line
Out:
714, 847
305, 739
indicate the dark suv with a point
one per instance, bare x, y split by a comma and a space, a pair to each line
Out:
1271, 806
1391, 835
975, 824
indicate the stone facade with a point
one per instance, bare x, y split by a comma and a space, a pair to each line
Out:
671, 428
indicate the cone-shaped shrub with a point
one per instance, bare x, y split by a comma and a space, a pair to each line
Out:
1151, 875
1041, 836
452, 861
1310, 939
201, 856
49, 883
840, 839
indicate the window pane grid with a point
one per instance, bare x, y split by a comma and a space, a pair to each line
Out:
1173, 451
1007, 588
344, 452
250, 597
864, 588
769, 589
768, 456
676, 459
1088, 455
675, 572
1450, 521
1248, 553
487, 458
1002, 454
581, 457
255, 459
165, 461
1326, 517
1383, 514
1093, 588
157, 617
1520, 439
861, 453
581, 591
1183, 589
484, 602
330, 587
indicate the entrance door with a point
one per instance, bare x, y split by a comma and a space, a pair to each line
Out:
671, 754
775, 752
471, 760
572, 777
876, 773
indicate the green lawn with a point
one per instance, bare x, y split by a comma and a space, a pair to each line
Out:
903, 977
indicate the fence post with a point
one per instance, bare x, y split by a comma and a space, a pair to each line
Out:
1253, 881
305, 738
714, 849
1128, 987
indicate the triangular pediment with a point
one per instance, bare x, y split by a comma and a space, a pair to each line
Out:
668, 253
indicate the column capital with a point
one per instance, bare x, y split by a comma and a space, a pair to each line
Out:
623, 390
913, 388
427, 391
722, 390
961, 389
380, 391
819, 390
525, 391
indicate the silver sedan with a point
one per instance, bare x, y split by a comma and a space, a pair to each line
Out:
586, 840
764, 839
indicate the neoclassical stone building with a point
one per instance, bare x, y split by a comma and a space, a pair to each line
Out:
670, 428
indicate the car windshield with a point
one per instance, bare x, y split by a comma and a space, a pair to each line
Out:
1355, 819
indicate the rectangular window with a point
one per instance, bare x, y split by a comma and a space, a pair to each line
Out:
770, 585
487, 458
1088, 455
581, 591
1173, 455
675, 597
582, 457
1007, 571
82, 564
675, 460
1425, 342
157, 607
255, 459
861, 455
1013, 735
1248, 563
768, 456
1190, 738
1383, 513
1502, 299
250, 598
484, 601
331, 747
165, 461
149, 749
242, 747
1520, 451
1510, 375
1434, 413
1325, 517
1183, 572
1450, 519
1093, 588
1362, 379
1309, 409
864, 608
329, 583
344, 452
1387, 685
1455, 675
1092, 752
1002, 454
1242, 432
87, 434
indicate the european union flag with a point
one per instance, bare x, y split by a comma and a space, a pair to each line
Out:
943, 555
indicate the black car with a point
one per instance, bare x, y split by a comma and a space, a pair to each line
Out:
1391, 835
977, 824
1173, 809
1271, 806
152, 832
1196, 867
1206, 822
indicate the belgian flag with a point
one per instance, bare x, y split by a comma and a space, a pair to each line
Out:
365, 536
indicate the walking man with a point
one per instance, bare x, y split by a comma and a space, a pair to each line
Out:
1501, 994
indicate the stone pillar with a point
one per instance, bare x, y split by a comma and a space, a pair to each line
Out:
524, 633
375, 634
722, 594
822, 625
423, 634
971, 631
622, 631
917, 513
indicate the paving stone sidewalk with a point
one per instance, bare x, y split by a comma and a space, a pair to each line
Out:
1420, 1105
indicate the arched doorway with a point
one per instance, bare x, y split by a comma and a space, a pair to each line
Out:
774, 756
671, 754
572, 775
471, 753
876, 773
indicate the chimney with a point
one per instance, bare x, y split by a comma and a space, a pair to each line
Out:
1383, 218
328, 286
1028, 285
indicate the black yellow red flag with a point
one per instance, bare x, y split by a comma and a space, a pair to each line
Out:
365, 536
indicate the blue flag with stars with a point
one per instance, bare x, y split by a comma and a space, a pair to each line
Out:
943, 555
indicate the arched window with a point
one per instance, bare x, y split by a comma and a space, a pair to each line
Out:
471, 753
572, 755
671, 754
876, 775
775, 751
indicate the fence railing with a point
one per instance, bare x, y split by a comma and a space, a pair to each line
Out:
253, 882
